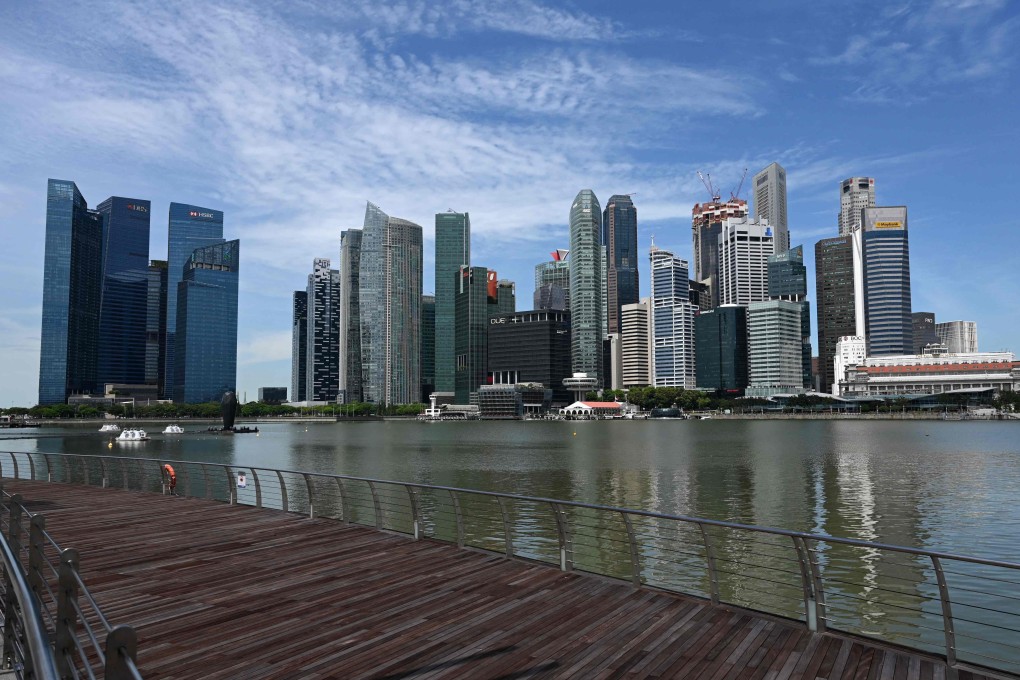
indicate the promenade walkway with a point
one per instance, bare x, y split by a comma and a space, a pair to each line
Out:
220, 591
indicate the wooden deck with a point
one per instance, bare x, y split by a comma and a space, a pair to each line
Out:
216, 591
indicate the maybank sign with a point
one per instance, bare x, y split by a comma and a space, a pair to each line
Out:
888, 225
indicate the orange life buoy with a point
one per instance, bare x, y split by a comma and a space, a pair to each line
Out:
169, 470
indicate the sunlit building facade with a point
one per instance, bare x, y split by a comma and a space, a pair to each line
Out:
587, 287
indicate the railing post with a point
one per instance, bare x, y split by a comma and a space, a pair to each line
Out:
258, 488
375, 504
15, 462
31, 465
947, 619
124, 474
810, 613
10, 603
67, 618
121, 646
85, 470
49, 468
283, 491
459, 517
36, 545
507, 539
819, 587
205, 480
713, 574
102, 462
563, 535
344, 507
187, 479
415, 511
635, 563
311, 496
231, 489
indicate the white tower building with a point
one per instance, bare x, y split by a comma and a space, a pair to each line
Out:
744, 249
770, 202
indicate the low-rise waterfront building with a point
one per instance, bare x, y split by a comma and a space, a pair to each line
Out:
931, 374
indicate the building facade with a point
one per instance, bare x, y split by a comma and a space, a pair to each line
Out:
124, 298
788, 281
531, 347
932, 374
189, 227
721, 349
72, 287
959, 337
506, 296
769, 188
835, 299
744, 250
390, 284
619, 235
299, 346
635, 338
551, 275
472, 305
453, 251
673, 362
322, 367
889, 327
855, 194
924, 330
587, 287
428, 346
351, 368
707, 225
775, 363
155, 325
206, 337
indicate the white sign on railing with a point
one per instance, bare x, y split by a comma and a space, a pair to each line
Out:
242, 481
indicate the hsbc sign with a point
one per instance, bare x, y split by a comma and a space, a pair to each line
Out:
200, 215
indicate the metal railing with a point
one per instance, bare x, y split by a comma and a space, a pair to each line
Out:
965, 609
54, 632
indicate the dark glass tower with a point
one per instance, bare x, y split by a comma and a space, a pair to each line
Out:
155, 325
299, 347
323, 328
190, 227
587, 287
619, 235
720, 337
72, 285
453, 250
428, 346
206, 337
471, 305
351, 376
924, 330
834, 295
788, 281
124, 301
890, 329
531, 347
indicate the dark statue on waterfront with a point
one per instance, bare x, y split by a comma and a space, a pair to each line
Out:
229, 404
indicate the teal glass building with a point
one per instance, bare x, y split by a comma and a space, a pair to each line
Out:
619, 235
155, 325
206, 337
453, 250
587, 288
472, 309
428, 346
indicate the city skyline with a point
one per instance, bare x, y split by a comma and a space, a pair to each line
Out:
157, 138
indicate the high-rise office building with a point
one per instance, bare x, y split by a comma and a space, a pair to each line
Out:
155, 325
744, 249
700, 295
886, 248
636, 346
189, 227
531, 347
351, 369
619, 235
672, 322
390, 284
707, 225
473, 305
206, 336
721, 348
788, 281
553, 273
550, 296
453, 251
428, 346
775, 362
322, 370
587, 288
959, 337
855, 194
506, 297
72, 286
835, 299
924, 330
299, 347
124, 299
770, 202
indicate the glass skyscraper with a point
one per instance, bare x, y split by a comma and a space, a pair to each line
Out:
619, 235
672, 322
721, 348
190, 227
123, 304
550, 276
472, 307
351, 369
299, 346
834, 297
322, 368
587, 287
206, 336
390, 304
428, 346
887, 303
788, 281
155, 325
453, 250
72, 288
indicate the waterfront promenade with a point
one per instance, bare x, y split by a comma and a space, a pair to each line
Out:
221, 591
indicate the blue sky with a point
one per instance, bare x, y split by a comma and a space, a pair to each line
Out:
290, 115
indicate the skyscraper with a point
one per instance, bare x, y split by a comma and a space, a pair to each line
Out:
531, 347
555, 273
834, 296
959, 337
770, 202
155, 326
788, 281
472, 307
635, 348
672, 322
707, 225
72, 285
855, 194
619, 235
428, 346
351, 368
206, 336
887, 301
322, 368
775, 363
506, 297
924, 330
299, 347
189, 227
453, 250
390, 283
744, 249
721, 348
586, 285
123, 303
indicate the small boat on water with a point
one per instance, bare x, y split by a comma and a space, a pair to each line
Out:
109, 427
133, 435
173, 428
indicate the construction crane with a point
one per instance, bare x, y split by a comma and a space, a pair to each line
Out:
736, 194
713, 191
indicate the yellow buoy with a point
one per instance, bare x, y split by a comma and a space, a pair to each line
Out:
575, 434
